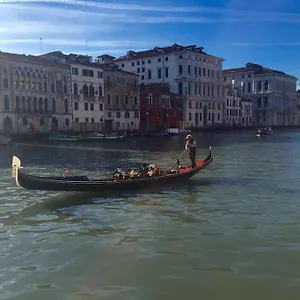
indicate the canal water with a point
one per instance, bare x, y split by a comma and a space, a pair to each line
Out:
231, 233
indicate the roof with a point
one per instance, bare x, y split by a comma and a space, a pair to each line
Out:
112, 67
255, 69
156, 51
79, 59
72, 59
30, 59
106, 56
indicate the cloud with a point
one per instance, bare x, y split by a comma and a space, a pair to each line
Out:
270, 16
116, 6
275, 44
78, 43
102, 10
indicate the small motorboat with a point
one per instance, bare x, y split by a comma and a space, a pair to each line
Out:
85, 184
264, 131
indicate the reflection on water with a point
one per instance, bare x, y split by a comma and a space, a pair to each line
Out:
231, 233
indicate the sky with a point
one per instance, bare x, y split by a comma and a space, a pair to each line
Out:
240, 31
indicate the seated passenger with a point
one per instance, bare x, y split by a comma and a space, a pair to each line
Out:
154, 171
133, 173
144, 170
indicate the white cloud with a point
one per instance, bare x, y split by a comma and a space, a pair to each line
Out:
24, 9
116, 6
288, 17
78, 43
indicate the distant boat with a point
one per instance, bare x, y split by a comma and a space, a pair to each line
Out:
63, 138
264, 131
95, 136
88, 138
4, 140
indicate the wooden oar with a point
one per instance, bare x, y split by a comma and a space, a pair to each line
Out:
178, 159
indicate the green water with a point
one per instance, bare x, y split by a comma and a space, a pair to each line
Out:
231, 233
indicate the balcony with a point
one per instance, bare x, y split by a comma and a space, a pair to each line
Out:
76, 97
89, 98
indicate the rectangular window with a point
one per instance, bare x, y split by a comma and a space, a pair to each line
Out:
180, 69
158, 73
166, 72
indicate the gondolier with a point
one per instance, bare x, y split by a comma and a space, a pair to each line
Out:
190, 145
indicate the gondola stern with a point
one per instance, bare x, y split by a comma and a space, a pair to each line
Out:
16, 165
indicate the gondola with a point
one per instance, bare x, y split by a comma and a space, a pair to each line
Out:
86, 184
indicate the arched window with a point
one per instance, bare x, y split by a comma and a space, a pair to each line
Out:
39, 82
29, 104
23, 105
52, 85
5, 78
41, 106
91, 90
126, 100
28, 81
6, 103
45, 83
85, 90
35, 105
46, 104
108, 81
117, 99
17, 80
33, 82
53, 105
100, 91
75, 89
22, 79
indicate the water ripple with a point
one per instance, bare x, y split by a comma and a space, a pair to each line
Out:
233, 230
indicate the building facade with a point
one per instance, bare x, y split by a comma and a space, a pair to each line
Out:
121, 100
190, 72
34, 95
87, 86
159, 108
247, 112
233, 109
272, 92
238, 110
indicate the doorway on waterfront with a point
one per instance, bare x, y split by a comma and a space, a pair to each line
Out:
54, 124
7, 125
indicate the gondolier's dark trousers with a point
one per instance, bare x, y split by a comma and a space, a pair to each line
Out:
192, 152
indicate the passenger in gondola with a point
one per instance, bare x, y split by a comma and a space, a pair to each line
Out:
190, 145
154, 171
144, 170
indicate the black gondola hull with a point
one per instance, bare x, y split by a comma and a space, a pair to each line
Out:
84, 184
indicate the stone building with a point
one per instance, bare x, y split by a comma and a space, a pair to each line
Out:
190, 72
272, 92
121, 100
87, 90
34, 94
